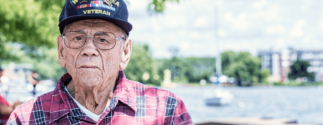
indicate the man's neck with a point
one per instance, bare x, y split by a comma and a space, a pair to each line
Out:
93, 98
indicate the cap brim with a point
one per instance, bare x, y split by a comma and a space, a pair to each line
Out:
122, 24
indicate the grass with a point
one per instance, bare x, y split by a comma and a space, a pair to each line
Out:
290, 83
293, 83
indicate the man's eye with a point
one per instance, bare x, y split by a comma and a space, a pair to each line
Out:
78, 38
102, 40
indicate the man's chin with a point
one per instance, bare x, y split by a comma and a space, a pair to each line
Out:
89, 78
87, 81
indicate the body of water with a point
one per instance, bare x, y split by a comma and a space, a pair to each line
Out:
304, 104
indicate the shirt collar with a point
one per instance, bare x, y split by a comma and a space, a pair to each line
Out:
123, 92
61, 97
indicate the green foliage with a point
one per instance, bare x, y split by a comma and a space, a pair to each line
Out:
158, 6
279, 83
191, 69
265, 73
28, 31
34, 22
47, 4
299, 70
200, 68
24, 21
294, 83
227, 58
48, 66
141, 61
242, 66
8, 53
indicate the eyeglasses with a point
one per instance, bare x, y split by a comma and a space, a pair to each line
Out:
102, 40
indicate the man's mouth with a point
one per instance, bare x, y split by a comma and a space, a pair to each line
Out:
88, 67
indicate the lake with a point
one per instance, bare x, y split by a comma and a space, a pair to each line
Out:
304, 104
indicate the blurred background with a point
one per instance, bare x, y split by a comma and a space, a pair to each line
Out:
225, 58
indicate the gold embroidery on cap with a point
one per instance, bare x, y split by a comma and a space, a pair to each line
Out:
96, 11
74, 1
110, 2
83, 1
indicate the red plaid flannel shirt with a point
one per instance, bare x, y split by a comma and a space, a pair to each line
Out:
132, 103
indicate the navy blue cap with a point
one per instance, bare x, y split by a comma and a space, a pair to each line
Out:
114, 11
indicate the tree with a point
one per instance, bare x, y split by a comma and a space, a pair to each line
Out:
31, 26
265, 73
299, 70
7, 53
142, 62
33, 23
190, 69
199, 68
242, 66
48, 67
158, 6
227, 58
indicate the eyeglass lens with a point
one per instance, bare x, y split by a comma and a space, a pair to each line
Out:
102, 40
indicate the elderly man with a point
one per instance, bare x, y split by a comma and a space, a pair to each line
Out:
94, 47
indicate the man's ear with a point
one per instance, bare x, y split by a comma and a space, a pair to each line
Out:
126, 53
60, 51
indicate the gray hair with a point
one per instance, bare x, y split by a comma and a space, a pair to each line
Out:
123, 34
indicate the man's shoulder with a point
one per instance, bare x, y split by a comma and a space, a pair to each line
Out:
167, 103
152, 91
39, 109
42, 102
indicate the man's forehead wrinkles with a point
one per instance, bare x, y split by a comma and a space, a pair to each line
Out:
75, 28
97, 23
88, 26
108, 27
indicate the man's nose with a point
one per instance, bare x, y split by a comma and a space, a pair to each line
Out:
89, 48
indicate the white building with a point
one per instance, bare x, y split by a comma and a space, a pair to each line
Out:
279, 62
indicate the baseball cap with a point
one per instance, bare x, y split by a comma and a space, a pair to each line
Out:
114, 11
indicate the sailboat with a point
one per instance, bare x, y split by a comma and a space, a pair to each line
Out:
217, 96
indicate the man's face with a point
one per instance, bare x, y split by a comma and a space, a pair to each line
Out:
90, 66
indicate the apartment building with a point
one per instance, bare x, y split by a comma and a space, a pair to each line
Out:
278, 62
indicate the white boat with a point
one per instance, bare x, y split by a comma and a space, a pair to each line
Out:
217, 96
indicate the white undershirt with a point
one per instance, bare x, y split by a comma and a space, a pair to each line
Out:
90, 114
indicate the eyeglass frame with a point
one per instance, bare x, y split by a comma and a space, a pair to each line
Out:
117, 38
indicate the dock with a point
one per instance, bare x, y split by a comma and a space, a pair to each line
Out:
250, 121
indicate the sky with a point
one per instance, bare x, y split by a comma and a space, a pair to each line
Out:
195, 26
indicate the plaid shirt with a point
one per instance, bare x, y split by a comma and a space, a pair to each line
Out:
132, 103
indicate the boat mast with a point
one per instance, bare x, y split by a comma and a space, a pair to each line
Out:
218, 59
